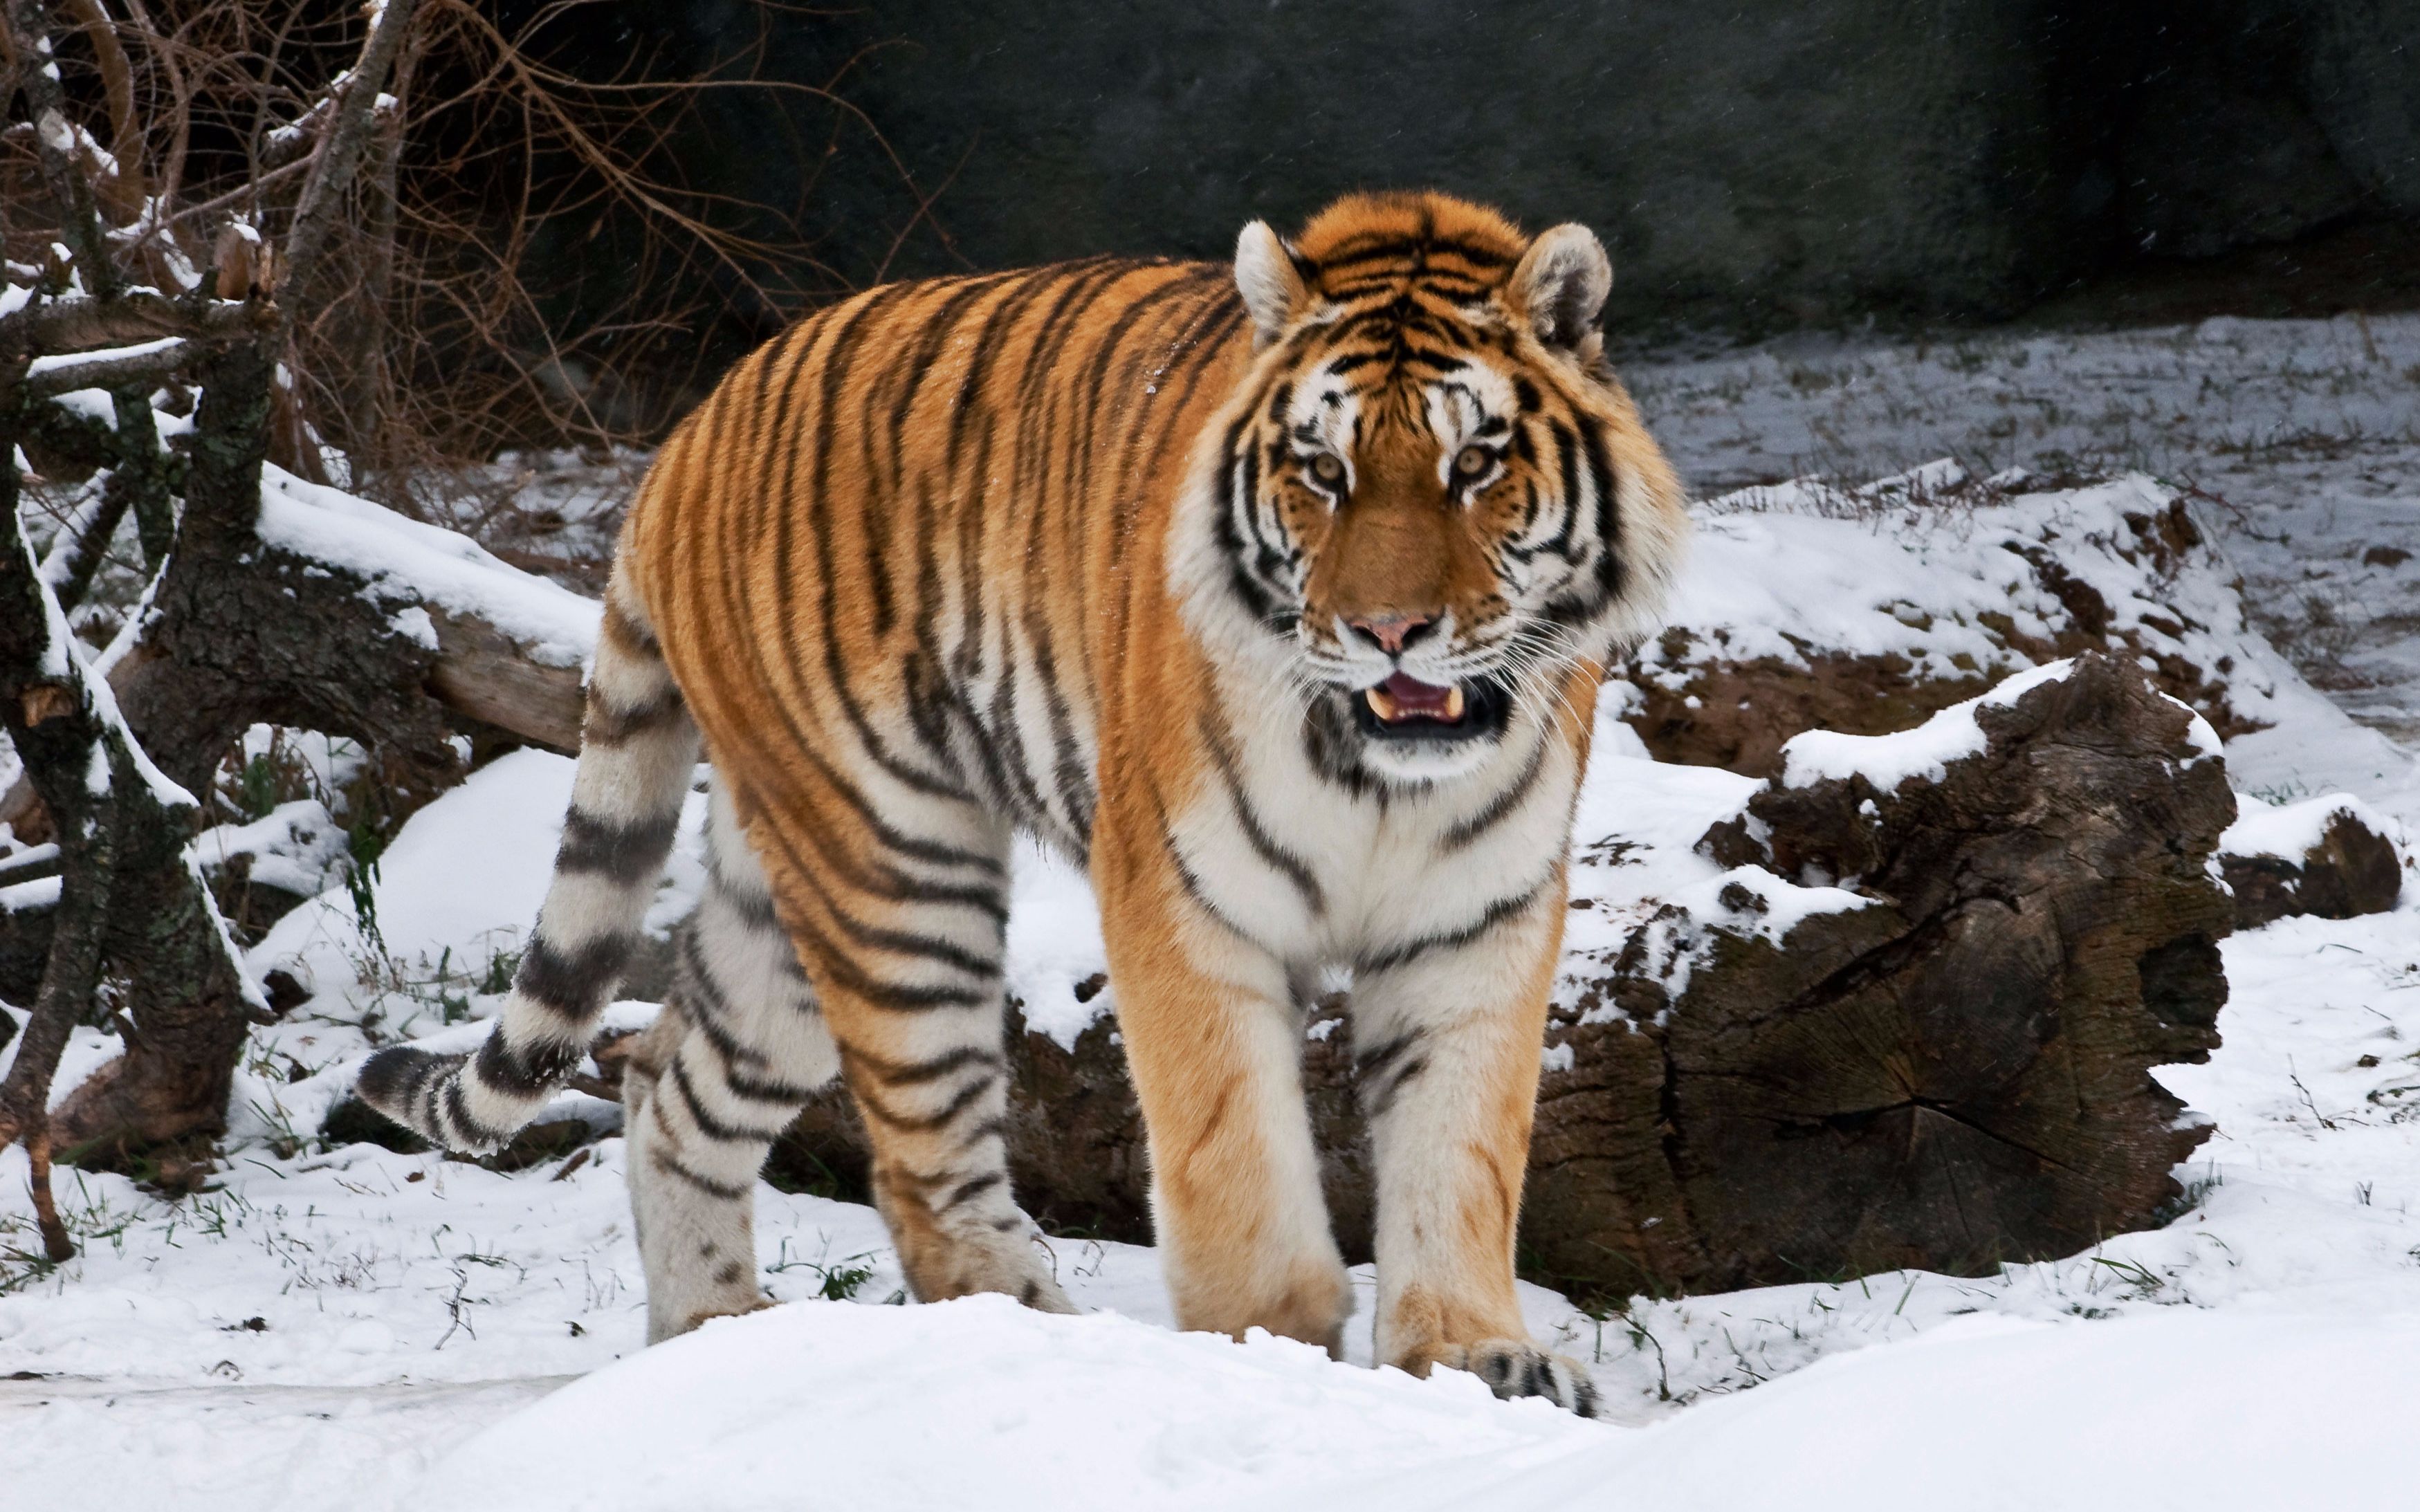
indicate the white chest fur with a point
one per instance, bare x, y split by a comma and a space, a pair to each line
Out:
1322, 874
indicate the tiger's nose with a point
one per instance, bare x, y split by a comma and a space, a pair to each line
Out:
1390, 633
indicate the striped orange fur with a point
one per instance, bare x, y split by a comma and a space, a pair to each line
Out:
1277, 592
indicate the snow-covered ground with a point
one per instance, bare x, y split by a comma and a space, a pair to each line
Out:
370, 1329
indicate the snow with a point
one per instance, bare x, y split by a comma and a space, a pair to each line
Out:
40, 365
1888, 761
2291, 831
41, 893
295, 847
427, 561
979, 1403
428, 1331
2189, 1411
1054, 946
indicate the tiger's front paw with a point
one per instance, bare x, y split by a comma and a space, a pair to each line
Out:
1516, 1367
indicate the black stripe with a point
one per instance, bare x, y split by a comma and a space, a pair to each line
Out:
1016, 764
890, 884
1276, 858
1257, 599
1568, 461
912, 368
573, 983
1066, 279
766, 1089
840, 973
938, 853
1185, 876
837, 359
1382, 1070
1376, 1101
1371, 246
389, 1076
965, 1098
636, 639
707, 1185
601, 724
1200, 357
1494, 914
739, 1062
967, 1189
1609, 568
710, 1124
911, 943
878, 879
754, 906
1375, 1060
1502, 805
1069, 779
626, 852
700, 976
916, 1073
526, 1071
994, 1126
469, 1131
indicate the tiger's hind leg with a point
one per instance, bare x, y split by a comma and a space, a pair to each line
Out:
900, 920
738, 1050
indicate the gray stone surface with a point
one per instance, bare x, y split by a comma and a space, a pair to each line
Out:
1777, 155
2364, 62
1757, 162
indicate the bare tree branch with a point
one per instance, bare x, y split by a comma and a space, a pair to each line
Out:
149, 367
81, 325
54, 146
339, 153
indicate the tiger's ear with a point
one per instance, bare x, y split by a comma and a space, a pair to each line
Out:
1562, 284
1274, 292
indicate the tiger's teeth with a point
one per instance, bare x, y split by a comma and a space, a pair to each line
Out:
1381, 702
1453, 704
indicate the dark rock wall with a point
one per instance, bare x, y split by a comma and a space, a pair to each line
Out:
2363, 75
1762, 161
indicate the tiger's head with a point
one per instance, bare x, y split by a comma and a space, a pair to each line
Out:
1429, 500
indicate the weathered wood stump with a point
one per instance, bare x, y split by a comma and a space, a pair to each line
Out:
2339, 864
1949, 1069
1954, 1074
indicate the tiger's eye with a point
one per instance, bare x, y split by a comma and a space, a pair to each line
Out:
1472, 460
1329, 469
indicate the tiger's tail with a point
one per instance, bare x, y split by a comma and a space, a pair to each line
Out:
638, 751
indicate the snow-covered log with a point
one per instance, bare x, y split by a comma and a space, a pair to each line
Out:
1865, 611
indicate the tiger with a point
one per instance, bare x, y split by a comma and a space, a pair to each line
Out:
1276, 595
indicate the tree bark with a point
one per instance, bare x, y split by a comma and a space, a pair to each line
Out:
241, 632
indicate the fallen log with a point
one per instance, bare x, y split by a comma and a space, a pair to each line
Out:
1868, 611
485, 644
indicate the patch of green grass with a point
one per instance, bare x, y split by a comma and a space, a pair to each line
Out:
2140, 1280
839, 1280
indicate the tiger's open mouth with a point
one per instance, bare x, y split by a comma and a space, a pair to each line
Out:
1404, 708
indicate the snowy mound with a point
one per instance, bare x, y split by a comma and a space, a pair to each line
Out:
2206, 1411
981, 1403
